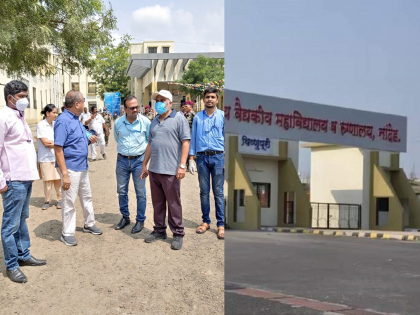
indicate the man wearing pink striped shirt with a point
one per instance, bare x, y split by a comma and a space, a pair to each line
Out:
17, 172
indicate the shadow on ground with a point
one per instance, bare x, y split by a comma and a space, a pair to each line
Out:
49, 230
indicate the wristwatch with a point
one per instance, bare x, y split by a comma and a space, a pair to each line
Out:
183, 166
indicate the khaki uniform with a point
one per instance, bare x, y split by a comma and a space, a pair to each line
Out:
190, 118
108, 119
149, 115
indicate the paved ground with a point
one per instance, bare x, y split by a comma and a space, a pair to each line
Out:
117, 272
359, 273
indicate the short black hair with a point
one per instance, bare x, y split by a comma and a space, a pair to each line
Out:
47, 109
92, 107
72, 97
128, 98
211, 90
14, 87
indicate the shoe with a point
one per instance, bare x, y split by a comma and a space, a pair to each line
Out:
104, 156
32, 261
106, 144
155, 236
68, 240
177, 242
123, 223
16, 275
137, 227
46, 206
58, 205
92, 160
93, 229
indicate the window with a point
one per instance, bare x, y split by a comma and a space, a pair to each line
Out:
42, 103
242, 198
75, 86
382, 211
34, 97
262, 190
289, 207
239, 201
92, 88
165, 50
152, 50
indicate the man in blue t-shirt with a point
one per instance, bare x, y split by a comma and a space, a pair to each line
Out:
71, 151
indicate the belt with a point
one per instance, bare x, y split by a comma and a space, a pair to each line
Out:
130, 157
210, 152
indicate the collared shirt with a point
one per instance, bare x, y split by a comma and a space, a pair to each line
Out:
208, 133
96, 124
70, 134
132, 139
166, 143
45, 130
17, 155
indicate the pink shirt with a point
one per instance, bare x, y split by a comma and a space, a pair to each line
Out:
17, 155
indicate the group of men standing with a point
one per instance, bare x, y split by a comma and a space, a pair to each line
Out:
166, 141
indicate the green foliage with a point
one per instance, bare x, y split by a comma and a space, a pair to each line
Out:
73, 29
202, 71
109, 70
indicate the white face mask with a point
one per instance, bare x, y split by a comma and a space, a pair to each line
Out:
21, 104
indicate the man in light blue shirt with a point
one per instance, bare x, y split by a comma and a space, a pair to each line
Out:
131, 132
208, 145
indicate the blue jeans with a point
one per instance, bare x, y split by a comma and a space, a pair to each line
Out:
14, 231
125, 167
206, 166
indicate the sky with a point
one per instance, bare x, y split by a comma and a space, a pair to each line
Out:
349, 53
195, 26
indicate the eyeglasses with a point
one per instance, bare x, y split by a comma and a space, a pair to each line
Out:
134, 108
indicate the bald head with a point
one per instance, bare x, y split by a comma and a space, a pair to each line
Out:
73, 97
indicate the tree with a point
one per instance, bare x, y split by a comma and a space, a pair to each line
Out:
33, 29
109, 70
202, 71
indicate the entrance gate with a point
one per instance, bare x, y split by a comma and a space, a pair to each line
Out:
336, 216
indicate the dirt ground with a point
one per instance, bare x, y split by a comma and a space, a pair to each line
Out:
117, 272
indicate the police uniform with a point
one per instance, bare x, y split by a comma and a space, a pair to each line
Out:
190, 118
149, 115
107, 118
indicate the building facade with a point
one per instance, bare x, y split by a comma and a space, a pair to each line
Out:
154, 64
360, 185
354, 188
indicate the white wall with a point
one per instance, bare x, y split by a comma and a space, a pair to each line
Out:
265, 172
385, 159
337, 175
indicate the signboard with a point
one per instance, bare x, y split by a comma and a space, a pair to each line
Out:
303, 121
113, 102
256, 145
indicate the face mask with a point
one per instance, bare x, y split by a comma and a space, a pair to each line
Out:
21, 104
160, 108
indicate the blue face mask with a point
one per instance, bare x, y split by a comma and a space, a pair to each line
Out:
160, 108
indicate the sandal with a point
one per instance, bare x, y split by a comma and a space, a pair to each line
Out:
46, 206
203, 228
221, 232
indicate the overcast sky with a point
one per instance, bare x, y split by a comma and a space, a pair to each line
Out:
195, 26
349, 53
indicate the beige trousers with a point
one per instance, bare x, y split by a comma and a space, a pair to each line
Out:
48, 185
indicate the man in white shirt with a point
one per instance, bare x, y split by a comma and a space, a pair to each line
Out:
97, 123
82, 116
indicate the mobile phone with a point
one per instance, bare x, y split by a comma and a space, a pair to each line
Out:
144, 176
